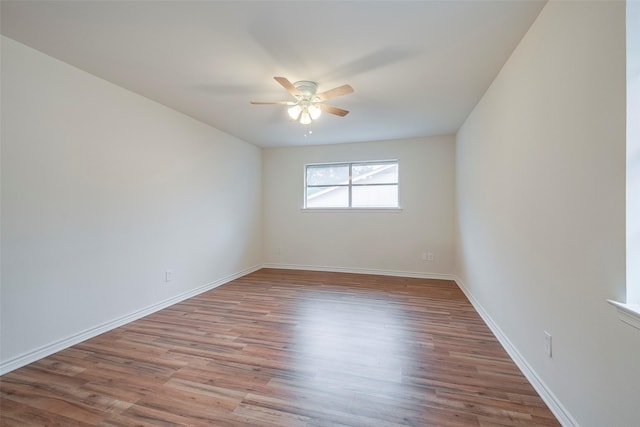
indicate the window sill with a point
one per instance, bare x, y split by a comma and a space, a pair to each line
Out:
386, 210
628, 313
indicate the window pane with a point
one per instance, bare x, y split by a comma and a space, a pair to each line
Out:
327, 174
375, 196
372, 185
375, 173
328, 197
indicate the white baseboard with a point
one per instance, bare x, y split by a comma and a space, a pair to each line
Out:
545, 393
419, 275
561, 413
44, 351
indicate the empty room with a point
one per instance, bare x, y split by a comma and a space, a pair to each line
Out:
320, 213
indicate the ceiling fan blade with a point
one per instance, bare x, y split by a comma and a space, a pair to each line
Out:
333, 110
273, 103
288, 86
332, 93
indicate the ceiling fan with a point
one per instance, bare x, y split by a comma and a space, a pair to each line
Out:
308, 102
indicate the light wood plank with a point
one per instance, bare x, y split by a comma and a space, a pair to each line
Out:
287, 348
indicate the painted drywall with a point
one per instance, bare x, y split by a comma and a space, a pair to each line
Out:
102, 191
540, 194
381, 241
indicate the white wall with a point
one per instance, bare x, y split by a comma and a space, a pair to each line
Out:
390, 242
102, 190
540, 184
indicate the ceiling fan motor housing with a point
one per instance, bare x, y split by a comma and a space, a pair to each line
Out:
306, 88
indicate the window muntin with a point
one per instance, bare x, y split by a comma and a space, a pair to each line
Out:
352, 185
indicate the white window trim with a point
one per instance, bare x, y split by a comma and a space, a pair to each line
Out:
305, 208
628, 313
334, 210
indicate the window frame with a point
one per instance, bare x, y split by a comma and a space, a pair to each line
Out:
629, 311
350, 185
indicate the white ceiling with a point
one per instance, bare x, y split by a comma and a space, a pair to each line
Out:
417, 67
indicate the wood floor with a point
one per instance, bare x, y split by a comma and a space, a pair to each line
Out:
286, 348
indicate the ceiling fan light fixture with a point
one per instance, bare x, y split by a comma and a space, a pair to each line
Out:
308, 104
314, 111
305, 118
294, 112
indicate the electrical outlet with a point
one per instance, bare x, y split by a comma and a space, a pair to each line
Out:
168, 275
547, 344
430, 256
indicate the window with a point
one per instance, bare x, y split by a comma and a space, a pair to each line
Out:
352, 185
629, 311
